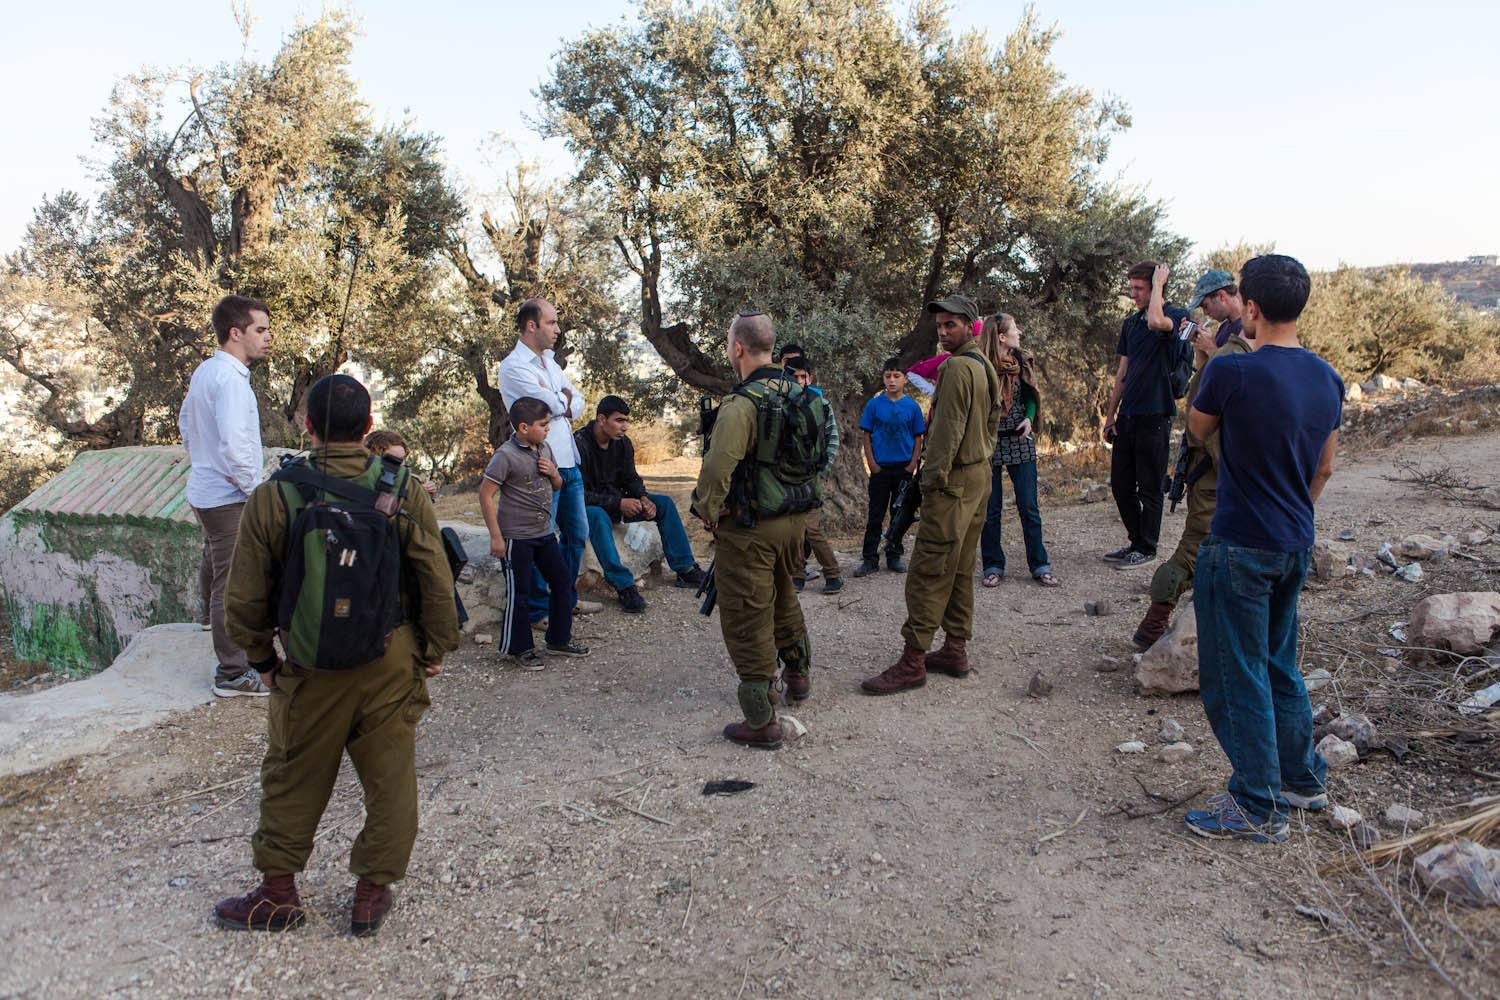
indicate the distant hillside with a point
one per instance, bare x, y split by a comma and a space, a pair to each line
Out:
1475, 281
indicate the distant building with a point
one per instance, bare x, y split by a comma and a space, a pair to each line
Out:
1484, 260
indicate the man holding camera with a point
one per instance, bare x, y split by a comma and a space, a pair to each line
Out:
1138, 419
1219, 296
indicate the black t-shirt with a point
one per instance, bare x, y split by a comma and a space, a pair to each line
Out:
1148, 371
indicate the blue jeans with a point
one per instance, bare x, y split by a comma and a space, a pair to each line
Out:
1253, 695
991, 552
573, 527
674, 540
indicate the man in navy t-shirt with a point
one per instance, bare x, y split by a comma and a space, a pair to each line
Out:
1138, 419
1277, 411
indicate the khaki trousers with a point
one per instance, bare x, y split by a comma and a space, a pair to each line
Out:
314, 717
1174, 577
820, 547
758, 609
940, 577
221, 525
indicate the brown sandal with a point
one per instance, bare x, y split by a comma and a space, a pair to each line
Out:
1048, 580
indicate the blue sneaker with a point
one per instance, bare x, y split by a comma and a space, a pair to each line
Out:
1313, 801
1225, 820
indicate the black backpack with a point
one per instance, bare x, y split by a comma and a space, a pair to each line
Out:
1179, 354
340, 593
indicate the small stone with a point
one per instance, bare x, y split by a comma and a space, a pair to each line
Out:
1040, 686
792, 726
1347, 535
1133, 746
1321, 713
1364, 834
1337, 752
483, 639
1421, 547
1385, 555
1389, 664
1097, 609
1171, 732
178, 882
1356, 729
1403, 816
1317, 679
1411, 572
1463, 622
1108, 664
1096, 492
1353, 393
1174, 752
1343, 818
876, 858
1477, 536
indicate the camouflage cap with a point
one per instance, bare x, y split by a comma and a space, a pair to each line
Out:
958, 305
1211, 282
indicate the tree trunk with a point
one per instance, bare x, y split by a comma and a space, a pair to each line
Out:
846, 489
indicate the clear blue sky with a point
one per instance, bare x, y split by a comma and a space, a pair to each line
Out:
1364, 132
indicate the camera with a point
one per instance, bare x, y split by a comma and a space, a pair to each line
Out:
1189, 328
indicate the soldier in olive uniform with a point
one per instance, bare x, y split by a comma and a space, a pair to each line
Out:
315, 716
758, 610
955, 485
1219, 296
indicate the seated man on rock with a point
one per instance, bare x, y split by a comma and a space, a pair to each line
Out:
613, 492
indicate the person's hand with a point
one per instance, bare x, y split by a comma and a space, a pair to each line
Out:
1203, 341
1159, 276
911, 468
709, 526
431, 488
497, 546
630, 507
546, 467
1109, 429
1023, 429
567, 400
432, 669
647, 507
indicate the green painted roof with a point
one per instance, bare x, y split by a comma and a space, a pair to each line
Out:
134, 485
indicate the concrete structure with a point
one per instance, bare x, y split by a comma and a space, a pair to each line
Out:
104, 549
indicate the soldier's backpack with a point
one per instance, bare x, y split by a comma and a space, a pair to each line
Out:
792, 447
340, 593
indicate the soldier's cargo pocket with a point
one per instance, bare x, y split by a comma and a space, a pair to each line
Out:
279, 711
418, 701
940, 519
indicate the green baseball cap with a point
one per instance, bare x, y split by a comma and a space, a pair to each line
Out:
1207, 285
958, 305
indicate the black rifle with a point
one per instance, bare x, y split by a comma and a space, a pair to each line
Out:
457, 560
904, 512
708, 590
1182, 476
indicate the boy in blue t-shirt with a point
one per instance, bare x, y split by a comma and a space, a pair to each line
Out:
1277, 411
893, 431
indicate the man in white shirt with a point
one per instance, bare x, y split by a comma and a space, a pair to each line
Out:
530, 370
220, 425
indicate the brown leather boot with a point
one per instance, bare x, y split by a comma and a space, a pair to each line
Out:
952, 659
908, 672
271, 906
371, 903
1153, 626
767, 737
798, 686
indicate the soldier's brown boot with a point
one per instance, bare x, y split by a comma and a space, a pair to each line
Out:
767, 737
798, 686
271, 906
952, 659
371, 903
908, 672
1153, 626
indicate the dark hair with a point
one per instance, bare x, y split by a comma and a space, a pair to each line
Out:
893, 365
339, 409
786, 349
1144, 271
381, 441
798, 363
528, 410
530, 312
233, 313
613, 404
1276, 283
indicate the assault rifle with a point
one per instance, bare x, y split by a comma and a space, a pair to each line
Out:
904, 512
708, 590
1182, 476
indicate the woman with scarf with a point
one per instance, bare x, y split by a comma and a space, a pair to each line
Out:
1015, 453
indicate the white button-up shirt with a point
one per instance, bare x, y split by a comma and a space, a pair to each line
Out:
523, 373
220, 427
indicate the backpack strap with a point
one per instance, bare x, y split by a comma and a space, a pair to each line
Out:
300, 474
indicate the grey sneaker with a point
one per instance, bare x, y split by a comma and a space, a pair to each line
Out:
866, 567
570, 648
1135, 560
529, 661
1118, 554
1313, 802
246, 685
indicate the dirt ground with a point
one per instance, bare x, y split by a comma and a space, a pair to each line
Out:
963, 840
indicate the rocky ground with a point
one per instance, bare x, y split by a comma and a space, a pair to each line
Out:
964, 840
